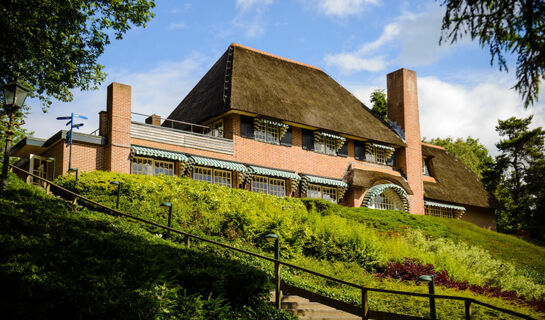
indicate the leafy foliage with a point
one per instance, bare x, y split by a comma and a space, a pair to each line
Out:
380, 106
54, 47
470, 151
345, 242
506, 27
59, 261
517, 176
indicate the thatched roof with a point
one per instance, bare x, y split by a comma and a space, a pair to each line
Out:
366, 178
275, 87
455, 183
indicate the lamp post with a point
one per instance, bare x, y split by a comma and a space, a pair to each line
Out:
77, 173
271, 237
169, 205
14, 97
430, 279
118, 183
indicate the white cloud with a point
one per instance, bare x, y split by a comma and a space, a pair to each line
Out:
411, 40
158, 91
176, 25
448, 109
360, 59
250, 17
343, 8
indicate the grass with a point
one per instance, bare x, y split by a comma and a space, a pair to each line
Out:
319, 235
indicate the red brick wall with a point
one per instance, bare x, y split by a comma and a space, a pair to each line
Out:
483, 217
403, 109
119, 128
86, 157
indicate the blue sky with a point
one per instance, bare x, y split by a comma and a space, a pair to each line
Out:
356, 42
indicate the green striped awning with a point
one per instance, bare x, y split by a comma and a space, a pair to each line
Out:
274, 173
443, 205
216, 163
325, 181
158, 153
378, 145
374, 191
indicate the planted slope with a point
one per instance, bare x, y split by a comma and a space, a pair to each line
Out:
345, 242
61, 262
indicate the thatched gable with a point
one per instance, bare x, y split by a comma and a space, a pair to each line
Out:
275, 87
455, 183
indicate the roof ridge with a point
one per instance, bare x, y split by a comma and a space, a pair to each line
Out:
432, 146
274, 56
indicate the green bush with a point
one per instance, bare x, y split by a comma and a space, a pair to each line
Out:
317, 233
59, 261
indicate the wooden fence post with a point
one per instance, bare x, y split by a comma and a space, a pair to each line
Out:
469, 309
364, 303
187, 241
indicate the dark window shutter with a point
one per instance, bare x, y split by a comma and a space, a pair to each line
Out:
343, 151
359, 150
247, 127
308, 139
286, 139
392, 160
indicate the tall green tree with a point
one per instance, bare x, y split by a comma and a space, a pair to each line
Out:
470, 151
380, 105
53, 46
518, 174
514, 27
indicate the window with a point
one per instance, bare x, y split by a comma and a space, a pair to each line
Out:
425, 168
275, 187
326, 144
216, 129
387, 200
442, 212
268, 133
147, 166
378, 153
322, 192
216, 176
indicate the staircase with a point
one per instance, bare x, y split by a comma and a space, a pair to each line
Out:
307, 310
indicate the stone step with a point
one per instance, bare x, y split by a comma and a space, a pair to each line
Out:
308, 310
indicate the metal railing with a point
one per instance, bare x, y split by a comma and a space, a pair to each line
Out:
362, 310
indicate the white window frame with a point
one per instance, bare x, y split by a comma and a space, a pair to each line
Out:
268, 132
272, 186
327, 193
214, 176
387, 200
326, 144
376, 154
153, 166
441, 212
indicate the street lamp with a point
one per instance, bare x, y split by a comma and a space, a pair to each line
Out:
14, 97
118, 183
169, 205
271, 237
430, 279
76, 170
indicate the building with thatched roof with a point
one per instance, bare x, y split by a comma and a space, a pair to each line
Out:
268, 124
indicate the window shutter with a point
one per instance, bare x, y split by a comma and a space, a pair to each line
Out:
343, 151
286, 139
359, 150
308, 139
392, 160
247, 127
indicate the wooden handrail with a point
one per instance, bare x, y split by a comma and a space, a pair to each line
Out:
287, 264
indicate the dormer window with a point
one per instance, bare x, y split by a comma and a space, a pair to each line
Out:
378, 153
425, 167
269, 131
327, 143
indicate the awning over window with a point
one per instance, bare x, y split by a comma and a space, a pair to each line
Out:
325, 181
274, 173
158, 153
381, 146
221, 164
443, 205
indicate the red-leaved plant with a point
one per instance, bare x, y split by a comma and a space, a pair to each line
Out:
411, 268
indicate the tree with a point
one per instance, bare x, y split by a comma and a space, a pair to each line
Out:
380, 106
53, 46
506, 27
470, 151
519, 174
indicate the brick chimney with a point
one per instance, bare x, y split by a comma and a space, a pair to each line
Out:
118, 108
403, 109
103, 123
154, 120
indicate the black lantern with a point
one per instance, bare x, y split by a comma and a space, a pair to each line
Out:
15, 94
